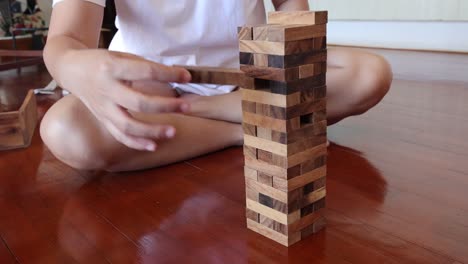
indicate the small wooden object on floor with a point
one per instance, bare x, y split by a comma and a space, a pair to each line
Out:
284, 120
17, 127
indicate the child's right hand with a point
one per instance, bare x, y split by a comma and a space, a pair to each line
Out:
102, 80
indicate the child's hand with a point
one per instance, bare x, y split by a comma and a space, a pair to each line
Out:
102, 80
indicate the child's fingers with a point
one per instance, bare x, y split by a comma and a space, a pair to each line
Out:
132, 142
134, 69
140, 102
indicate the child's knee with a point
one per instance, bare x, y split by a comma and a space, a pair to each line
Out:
66, 133
375, 78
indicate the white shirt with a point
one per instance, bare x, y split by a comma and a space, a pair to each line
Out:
184, 32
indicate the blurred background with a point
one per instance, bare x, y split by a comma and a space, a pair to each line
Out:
437, 25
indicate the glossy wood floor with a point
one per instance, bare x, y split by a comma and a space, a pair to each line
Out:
397, 193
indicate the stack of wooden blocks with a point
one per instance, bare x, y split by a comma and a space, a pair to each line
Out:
284, 121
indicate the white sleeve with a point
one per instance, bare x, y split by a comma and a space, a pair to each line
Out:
97, 2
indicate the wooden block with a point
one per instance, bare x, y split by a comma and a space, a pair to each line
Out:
251, 194
305, 221
314, 196
313, 164
17, 127
265, 122
250, 151
297, 85
265, 179
247, 58
320, 92
267, 168
296, 32
296, 60
255, 84
272, 224
274, 74
306, 178
266, 145
264, 133
267, 190
259, 60
320, 116
273, 214
262, 109
245, 33
308, 154
265, 156
308, 142
277, 48
214, 75
248, 106
249, 129
260, 32
318, 225
307, 131
250, 173
254, 216
264, 97
298, 17
267, 232
309, 70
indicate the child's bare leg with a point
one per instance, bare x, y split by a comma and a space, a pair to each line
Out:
77, 138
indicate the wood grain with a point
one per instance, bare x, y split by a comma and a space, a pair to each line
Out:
278, 48
298, 17
215, 75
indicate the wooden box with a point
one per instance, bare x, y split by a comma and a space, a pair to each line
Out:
17, 127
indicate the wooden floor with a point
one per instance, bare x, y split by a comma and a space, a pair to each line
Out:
397, 193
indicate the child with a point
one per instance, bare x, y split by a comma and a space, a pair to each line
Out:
126, 113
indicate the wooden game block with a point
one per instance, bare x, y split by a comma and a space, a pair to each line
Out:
250, 173
307, 131
305, 221
314, 196
265, 122
310, 142
267, 190
265, 179
320, 92
270, 233
254, 216
318, 225
299, 85
260, 32
306, 178
248, 106
295, 32
309, 70
272, 224
267, 168
296, 60
250, 151
250, 83
272, 213
245, 33
266, 73
247, 58
262, 109
249, 129
308, 154
298, 17
278, 48
251, 194
267, 145
313, 207
313, 164
264, 97
305, 108
214, 75
264, 133
259, 60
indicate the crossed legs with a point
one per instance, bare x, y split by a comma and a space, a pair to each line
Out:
356, 81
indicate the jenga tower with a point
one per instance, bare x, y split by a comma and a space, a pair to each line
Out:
284, 120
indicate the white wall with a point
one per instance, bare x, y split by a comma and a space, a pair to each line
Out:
440, 25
